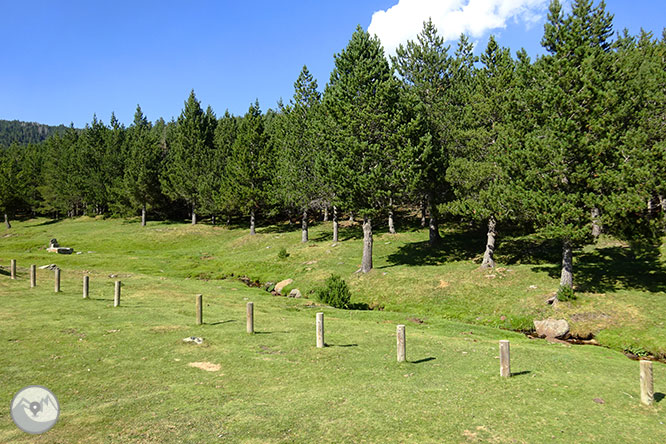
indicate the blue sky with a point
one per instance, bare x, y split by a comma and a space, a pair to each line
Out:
64, 61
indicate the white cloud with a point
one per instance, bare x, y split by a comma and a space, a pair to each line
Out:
404, 21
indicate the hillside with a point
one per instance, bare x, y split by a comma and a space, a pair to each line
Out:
124, 375
24, 133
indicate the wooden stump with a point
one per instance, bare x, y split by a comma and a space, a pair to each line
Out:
320, 330
402, 347
33, 276
505, 359
647, 383
56, 286
12, 268
250, 317
199, 305
86, 286
116, 295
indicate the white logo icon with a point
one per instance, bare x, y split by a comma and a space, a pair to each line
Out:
35, 409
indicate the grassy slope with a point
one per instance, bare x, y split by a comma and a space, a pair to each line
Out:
121, 374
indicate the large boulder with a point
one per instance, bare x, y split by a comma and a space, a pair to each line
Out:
280, 285
551, 328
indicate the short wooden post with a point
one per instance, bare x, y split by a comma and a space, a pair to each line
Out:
402, 347
56, 286
647, 383
116, 295
505, 359
250, 317
199, 305
33, 276
12, 268
320, 330
86, 286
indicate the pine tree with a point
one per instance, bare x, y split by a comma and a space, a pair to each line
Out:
190, 150
569, 159
141, 179
246, 181
297, 181
12, 189
479, 172
360, 100
426, 70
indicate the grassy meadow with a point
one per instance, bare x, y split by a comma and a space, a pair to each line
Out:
125, 375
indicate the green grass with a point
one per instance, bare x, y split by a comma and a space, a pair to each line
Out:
122, 375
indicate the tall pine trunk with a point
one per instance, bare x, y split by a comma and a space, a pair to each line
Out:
433, 227
213, 219
335, 224
488, 256
351, 217
366, 262
390, 217
7, 224
143, 215
596, 222
304, 227
252, 232
566, 278
194, 215
326, 214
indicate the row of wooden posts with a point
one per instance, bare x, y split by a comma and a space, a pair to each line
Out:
646, 374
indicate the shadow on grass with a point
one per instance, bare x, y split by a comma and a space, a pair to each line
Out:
341, 345
4, 272
613, 268
658, 397
46, 222
220, 322
421, 361
524, 372
454, 246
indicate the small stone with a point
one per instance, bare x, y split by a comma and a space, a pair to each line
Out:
295, 293
599, 401
194, 339
551, 328
280, 285
533, 287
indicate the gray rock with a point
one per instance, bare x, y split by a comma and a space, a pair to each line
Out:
280, 285
52, 267
295, 293
194, 339
551, 328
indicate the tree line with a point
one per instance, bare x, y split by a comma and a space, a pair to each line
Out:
566, 146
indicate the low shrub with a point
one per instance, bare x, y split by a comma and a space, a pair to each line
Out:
282, 254
335, 292
566, 294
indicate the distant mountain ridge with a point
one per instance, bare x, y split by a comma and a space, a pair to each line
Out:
24, 133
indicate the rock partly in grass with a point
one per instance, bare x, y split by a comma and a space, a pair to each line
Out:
551, 328
295, 293
280, 285
194, 339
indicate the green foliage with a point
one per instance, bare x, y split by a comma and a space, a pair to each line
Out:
25, 133
335, 292
282, 254
565, 293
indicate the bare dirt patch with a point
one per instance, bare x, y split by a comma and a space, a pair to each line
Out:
208, 366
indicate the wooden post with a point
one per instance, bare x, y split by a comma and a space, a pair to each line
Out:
56, 286
86, 286
250, 317
505, 359
33, 276
199, 305
647, 383
116, 295
320, 330
12, 268
402, 347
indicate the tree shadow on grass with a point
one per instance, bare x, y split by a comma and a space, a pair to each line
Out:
613, 268
46, 222
456, 246
421, 361
658, 397
524, 372
220, 322
529, 250
4, 272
